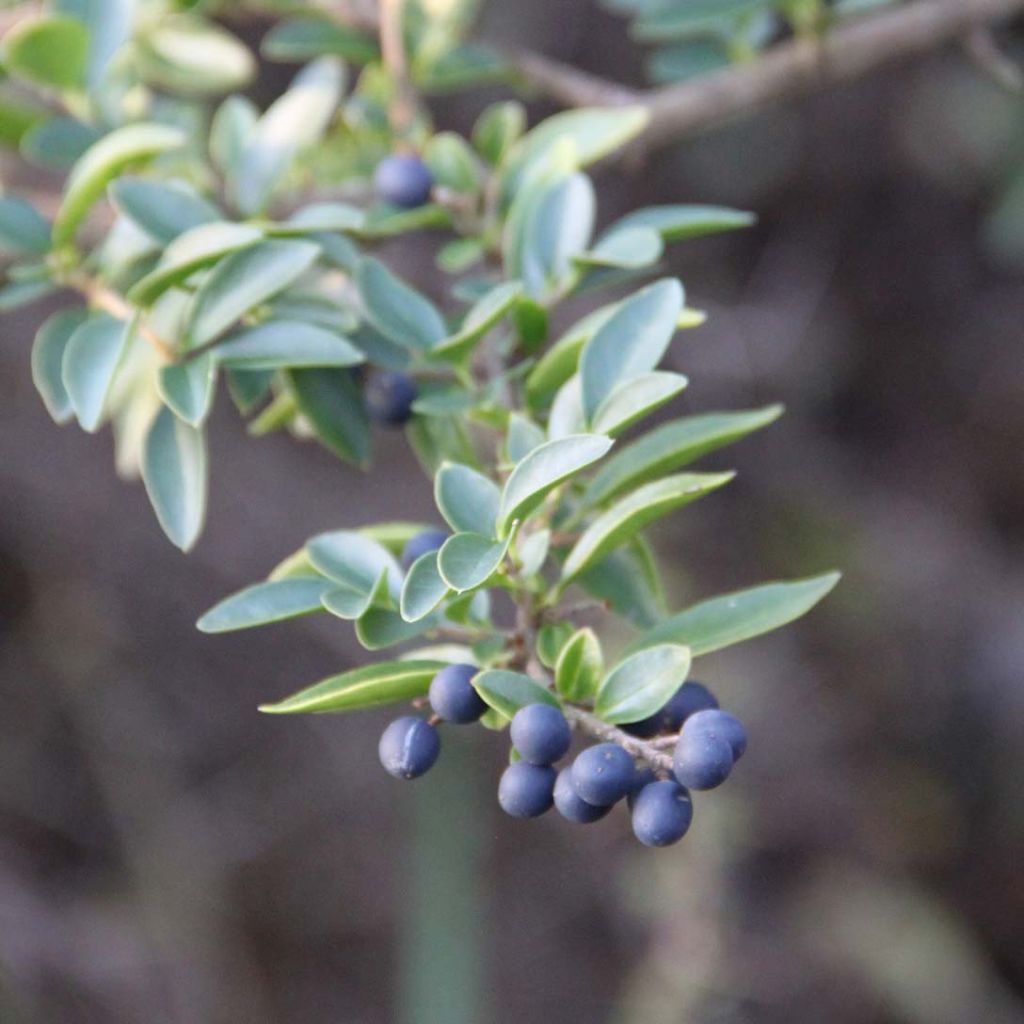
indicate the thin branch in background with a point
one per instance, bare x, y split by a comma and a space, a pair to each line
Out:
402, 108
981, 47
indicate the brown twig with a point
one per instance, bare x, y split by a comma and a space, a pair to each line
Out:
402, 109
642, 749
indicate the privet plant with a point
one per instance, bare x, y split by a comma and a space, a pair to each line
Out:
213, 243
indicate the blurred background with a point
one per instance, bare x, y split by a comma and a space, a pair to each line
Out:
168, 854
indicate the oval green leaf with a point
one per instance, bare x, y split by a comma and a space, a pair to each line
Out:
371, 686
468, 560
280, 343
48, 349
91, 358
507, 692
635, 399
468, 500
580, 666
188, 387
423, 589
263, 603
397, 310
641, 684
545, 468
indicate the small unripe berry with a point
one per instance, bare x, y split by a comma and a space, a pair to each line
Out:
453, 696
602, 774
389, 396
526, 790
571, 805
701, 760
641, 777
719, 723
408, 747
540, 733
662, 813
403, 180
418, 546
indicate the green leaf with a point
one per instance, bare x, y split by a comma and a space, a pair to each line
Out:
551, 638
641, 684
231, 130
109, 25
380, 628
281, 343
175, 474
460, 254
671, 447
481, 318
695, 18
592, 132
323, 217
394, 535
398, 311
468, 560
628, 516
354, 560
631, 342
687, 60
627, 248
48, 361
498, 128
187, 387
532, 551
20, 293
523, 436
189, 252
627, 580
302, 39
246, 279
346, 604
91, 358
676, 223
544, 469
635, 399
580, 666
48, 51
452, 163
191, 56
295, 120
263, 603
468, 500
103, 162
566, 415
371, 686
23, 229
507, 692
558, 230
163, 209
423, 590
57, 142
732, 618
559, 363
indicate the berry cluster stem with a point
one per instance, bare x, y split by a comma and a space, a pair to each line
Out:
639, 748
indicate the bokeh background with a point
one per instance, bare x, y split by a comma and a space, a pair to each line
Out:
167, 854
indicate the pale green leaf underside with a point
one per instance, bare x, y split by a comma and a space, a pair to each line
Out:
507, 692
263, 603
423, 589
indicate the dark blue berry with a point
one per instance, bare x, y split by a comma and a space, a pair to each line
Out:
408, 747
602, 774
662, 813
641, 777
720, 723
389, 396
403, 180
702, 760
453, 696
540, 733
526, 790
690, 697
571, 805
418, 546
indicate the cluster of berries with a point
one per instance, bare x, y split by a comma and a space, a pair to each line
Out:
710, 741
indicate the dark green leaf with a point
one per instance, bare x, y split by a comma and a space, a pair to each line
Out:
163, 209
333, 403
671, 447
468, 500
263, 603
484, 315
188, 387
384, 683
175, 474
302, 39
57, 142
380, 628
23, 229
631, 342
641, 684
544, 469
398, 311
246, 279
732, 618
507, 692
103, 162
48, 360
282, 343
